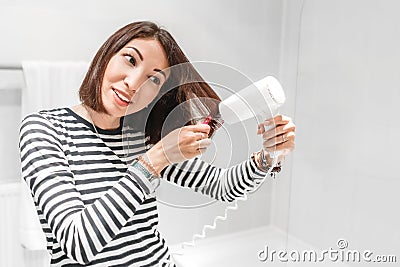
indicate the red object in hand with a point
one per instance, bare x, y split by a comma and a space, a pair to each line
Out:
207, 120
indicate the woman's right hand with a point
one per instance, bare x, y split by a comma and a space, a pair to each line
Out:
179, 145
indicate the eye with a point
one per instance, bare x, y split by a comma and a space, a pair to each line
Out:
130, 59
155, 80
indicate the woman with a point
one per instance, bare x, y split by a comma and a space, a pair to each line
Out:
94, 202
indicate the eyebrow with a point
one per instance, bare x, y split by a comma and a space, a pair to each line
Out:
160, 71
137, 51
141, 58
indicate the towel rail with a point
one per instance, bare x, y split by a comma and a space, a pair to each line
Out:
12, 79
10, 67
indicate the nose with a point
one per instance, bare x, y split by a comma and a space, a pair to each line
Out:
132, 81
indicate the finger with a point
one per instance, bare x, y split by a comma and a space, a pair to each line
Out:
279, 130
278, 120
202, 150
203, 128
283, 138
284, 148
200, 136
261, 128
202, 146
204, 143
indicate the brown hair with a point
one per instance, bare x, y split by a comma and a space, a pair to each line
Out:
173, 92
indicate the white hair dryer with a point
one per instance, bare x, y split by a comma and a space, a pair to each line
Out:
262, 98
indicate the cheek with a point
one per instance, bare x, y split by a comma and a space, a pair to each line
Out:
110, 77
146, 96
105, 93
112, 72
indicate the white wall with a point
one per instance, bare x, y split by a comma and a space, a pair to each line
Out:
243, 35
345, 178
333, 60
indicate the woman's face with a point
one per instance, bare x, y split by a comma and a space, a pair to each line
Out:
134, 76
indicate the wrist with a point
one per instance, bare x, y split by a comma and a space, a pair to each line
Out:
151, 181
156, 157
256, 157
148, 165
266, 158
264, 162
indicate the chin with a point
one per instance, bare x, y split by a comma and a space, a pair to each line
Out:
118, 112
114, 110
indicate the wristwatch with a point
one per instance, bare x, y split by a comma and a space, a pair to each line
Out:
153, 179
265, 166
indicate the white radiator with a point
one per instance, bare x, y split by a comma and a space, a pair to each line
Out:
11, 252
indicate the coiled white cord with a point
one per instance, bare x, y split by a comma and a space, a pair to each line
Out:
206, 227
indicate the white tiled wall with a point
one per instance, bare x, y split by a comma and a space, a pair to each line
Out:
242, 35
10, 111
338, 62
345, 167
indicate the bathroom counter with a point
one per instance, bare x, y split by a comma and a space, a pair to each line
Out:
244, 249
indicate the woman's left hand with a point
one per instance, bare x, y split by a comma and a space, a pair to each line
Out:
279, 137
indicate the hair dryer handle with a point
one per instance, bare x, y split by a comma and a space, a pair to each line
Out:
273, 154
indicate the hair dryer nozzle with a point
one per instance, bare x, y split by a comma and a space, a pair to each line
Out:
263, 97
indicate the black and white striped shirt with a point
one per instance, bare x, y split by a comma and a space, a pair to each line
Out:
94, 207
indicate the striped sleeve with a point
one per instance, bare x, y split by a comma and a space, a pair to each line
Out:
219, 183
83, 231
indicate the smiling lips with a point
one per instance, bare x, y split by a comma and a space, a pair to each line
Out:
121, 99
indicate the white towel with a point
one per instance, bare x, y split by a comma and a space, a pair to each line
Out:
48, 85
51, 84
